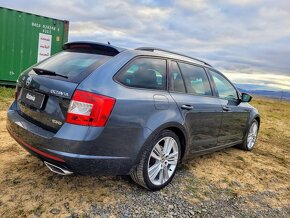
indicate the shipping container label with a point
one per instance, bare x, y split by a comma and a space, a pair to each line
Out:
44, 46
45, 28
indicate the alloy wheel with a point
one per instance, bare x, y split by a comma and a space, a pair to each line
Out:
163, 160
252, 136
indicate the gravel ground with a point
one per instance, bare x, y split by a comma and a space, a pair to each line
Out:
173, 203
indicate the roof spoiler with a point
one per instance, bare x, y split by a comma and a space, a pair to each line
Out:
92, 47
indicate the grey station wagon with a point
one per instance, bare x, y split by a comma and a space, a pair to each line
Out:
98, 109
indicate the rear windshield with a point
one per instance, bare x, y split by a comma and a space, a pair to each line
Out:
73, 65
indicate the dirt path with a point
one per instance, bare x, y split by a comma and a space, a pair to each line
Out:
224, 184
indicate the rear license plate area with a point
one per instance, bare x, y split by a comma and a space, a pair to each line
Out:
32, 98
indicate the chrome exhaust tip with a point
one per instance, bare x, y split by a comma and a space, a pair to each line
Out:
57, 169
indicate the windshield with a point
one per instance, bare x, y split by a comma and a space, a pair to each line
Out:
72, 64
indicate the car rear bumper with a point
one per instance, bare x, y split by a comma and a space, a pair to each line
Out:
91, 151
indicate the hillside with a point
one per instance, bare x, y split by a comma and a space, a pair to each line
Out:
260, 90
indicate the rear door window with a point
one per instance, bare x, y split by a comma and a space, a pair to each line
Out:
195, 79
73, 64
175, 78
147, 73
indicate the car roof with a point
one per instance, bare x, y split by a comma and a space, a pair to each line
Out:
114, 50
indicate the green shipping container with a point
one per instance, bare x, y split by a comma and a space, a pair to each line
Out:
26, 39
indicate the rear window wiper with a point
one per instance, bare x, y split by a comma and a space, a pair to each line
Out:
41, 71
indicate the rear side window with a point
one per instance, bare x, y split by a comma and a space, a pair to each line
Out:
176, 81
72, 64
195, 79
147, 73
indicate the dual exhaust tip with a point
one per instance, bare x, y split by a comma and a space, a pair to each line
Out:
57, 169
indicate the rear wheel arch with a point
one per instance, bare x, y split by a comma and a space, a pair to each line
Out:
181, 137
177, 128
146, 176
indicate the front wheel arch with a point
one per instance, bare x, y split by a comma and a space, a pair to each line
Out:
258, 120
244, 144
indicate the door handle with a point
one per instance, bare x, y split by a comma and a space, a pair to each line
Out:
225, 108
187, 107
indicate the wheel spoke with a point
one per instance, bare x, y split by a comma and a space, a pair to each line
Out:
252, 128
172, 161
155, 155
172, 158
165, 174
154, 170
172, 155
255, 128
168, 145
161, 176
158, 150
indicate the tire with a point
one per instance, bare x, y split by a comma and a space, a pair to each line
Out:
251, 137
158, 162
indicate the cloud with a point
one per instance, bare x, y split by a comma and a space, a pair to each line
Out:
275, 81
248, 37
244, 2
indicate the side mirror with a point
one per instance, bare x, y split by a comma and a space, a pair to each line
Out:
246, 97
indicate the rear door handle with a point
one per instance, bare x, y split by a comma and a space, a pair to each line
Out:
187, 107
225, 108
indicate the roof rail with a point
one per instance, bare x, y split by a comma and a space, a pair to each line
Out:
97, 47
171, 52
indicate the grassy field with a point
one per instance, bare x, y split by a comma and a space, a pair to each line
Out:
6, 95
228, 183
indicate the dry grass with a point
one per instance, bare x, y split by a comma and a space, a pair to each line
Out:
6, 94
239, 173
28, 189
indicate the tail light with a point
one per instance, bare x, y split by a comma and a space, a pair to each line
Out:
89, 109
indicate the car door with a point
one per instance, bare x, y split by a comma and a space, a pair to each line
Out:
190, 88
235, 116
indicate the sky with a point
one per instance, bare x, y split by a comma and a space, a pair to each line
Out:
247, 40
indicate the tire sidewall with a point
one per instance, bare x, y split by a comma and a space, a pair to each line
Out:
151, 144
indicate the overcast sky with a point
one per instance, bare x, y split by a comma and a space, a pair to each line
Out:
248, 40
